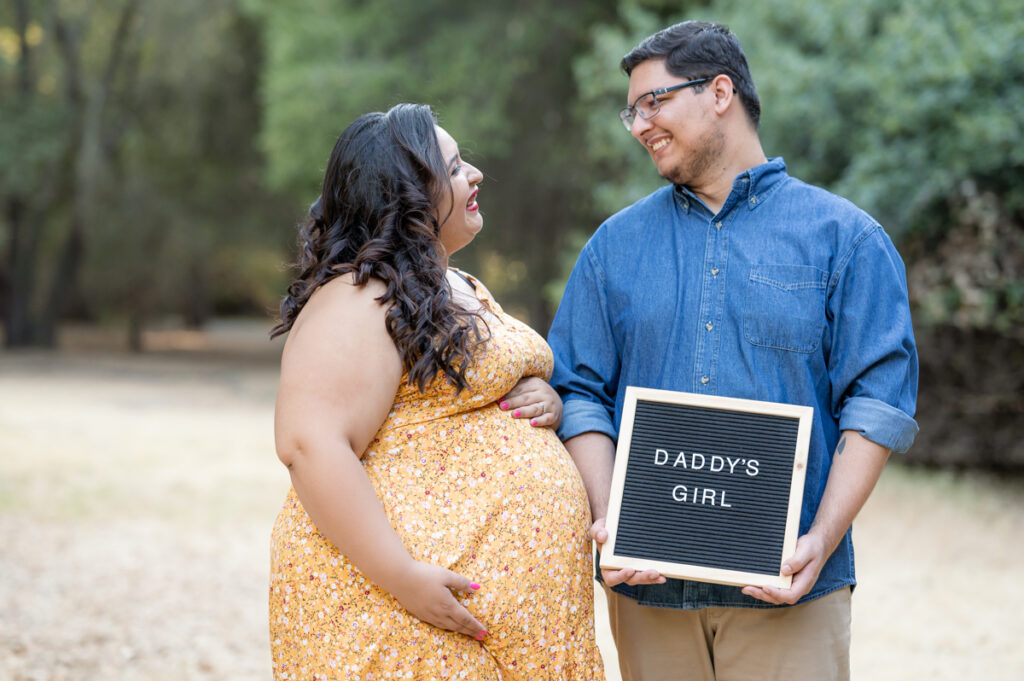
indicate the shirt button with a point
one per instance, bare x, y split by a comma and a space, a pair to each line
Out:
704, 380
718, 225
753, 199
714, 271
709, 326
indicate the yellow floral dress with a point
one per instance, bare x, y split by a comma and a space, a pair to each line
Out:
470, 488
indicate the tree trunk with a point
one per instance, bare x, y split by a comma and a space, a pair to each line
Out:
18, 331
17, 327
135, 326
64, 279
86, 129
196, 309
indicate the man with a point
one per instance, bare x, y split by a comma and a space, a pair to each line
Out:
735, 280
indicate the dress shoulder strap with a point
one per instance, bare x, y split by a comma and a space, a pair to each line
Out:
465, 278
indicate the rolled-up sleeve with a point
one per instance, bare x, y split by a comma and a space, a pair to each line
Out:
586, 358
873, 361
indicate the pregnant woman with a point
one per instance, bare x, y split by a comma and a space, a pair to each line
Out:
436, 528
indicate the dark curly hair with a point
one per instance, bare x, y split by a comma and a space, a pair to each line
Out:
375, 217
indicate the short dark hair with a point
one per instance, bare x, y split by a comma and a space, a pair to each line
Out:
698, 49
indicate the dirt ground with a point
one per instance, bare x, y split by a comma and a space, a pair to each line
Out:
137, 495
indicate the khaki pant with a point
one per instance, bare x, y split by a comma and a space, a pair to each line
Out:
808, 642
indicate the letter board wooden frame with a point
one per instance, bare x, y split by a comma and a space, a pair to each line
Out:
707, 488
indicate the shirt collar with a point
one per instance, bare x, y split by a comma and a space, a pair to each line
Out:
749, 188
753, 186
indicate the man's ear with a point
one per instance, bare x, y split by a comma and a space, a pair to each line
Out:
724, 92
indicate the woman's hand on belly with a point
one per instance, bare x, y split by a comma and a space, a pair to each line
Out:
425, 590
533, 398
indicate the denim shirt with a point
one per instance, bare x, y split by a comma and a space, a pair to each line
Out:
788, 294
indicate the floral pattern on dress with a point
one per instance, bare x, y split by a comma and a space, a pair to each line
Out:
470, 488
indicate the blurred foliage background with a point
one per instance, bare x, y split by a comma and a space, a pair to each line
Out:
156, 155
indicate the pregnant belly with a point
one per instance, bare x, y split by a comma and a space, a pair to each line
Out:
495, 500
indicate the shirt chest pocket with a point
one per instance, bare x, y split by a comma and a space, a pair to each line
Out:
785, 307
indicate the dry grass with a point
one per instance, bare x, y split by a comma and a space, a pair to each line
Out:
137, 495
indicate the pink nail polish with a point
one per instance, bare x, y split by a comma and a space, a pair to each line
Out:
474, 585
504, 405
516, 414
533, 422
483, 633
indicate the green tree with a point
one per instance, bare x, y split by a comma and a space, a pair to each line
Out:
188, 214
501, 79
912, 111
132, 185
57, 134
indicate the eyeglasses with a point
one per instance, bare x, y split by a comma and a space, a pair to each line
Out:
647, 105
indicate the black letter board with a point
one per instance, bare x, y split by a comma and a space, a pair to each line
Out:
707, 488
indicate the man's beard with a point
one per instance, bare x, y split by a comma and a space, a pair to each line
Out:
695, 167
